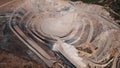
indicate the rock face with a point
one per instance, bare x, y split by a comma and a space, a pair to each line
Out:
49, 30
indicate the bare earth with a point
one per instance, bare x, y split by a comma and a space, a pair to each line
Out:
8, 60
